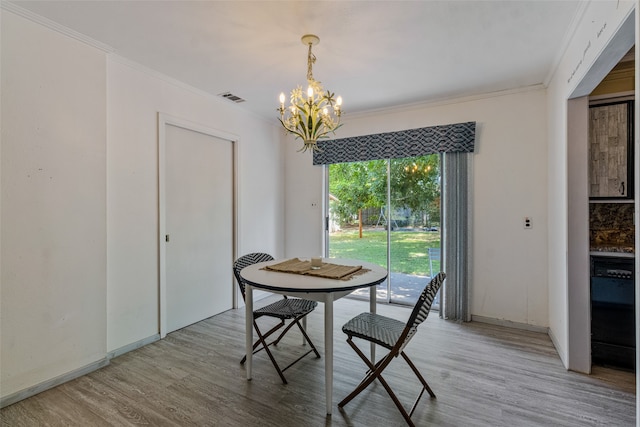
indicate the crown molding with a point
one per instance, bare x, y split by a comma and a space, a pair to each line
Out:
566, 41
34, 17
446, 101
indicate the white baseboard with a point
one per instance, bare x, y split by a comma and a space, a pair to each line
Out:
510, 324
133, 346
558, 348
46, 385
76, 373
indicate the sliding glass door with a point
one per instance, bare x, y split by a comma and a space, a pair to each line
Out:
388, 212
415, 224
357, 194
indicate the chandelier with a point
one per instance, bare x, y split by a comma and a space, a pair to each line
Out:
311, 115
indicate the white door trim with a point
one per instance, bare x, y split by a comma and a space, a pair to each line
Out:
163, 121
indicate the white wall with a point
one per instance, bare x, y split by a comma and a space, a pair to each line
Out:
509, 182
303, 206
53, 241
588, 58
135, 98
79, 199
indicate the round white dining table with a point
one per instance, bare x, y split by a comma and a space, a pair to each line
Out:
312, 288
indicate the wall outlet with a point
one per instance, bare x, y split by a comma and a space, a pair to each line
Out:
528, 223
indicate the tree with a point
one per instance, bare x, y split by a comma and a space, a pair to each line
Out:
355, 186
415, 184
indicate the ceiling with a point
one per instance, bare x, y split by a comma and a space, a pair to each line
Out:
376, 54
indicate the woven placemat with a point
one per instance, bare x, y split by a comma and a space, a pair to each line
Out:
327, 270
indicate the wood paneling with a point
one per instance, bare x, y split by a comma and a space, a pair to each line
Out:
483, 375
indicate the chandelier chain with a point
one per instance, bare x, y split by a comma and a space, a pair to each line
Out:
311, 59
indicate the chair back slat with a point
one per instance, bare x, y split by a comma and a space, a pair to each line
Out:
245, 261
422, 308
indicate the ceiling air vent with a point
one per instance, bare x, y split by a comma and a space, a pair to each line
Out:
231, 97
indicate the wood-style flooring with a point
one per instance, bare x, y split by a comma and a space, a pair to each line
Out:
483, 375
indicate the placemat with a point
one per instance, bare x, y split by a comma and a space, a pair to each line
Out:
327, 270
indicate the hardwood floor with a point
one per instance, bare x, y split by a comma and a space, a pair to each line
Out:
483, 375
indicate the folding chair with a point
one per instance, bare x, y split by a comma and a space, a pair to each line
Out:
393, 335
293, 309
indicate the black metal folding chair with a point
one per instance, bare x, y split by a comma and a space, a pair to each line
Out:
293, 309
393, 335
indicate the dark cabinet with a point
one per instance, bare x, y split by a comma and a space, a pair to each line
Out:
611, 150
613, 335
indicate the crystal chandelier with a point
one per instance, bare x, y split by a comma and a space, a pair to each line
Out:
311, 115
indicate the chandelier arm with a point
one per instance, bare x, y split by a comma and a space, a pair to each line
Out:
294, 132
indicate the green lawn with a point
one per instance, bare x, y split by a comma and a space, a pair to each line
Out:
408, 248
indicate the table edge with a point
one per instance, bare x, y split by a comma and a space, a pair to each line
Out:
314, 291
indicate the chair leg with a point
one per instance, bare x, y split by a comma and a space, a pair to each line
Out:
313, 347
303, 329
395, 399
273, 360
425, 386
305, 336
370, 371
255, 344
375, 372
282, 334
265, 347
262, 343
265, 336
418, 374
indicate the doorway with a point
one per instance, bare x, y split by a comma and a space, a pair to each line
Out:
196, 171
578, 236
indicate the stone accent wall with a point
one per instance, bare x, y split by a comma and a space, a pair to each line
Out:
611, 224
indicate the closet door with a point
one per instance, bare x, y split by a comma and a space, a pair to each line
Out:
199, 226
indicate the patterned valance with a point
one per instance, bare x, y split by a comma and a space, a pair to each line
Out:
458, 137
